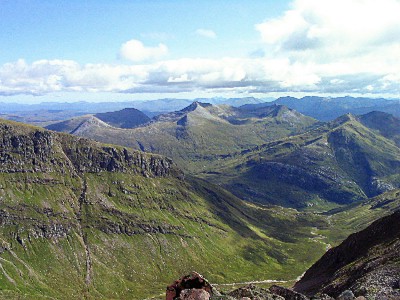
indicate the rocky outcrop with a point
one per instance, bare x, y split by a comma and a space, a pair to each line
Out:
287, 294
195, 287
187, 287
29, 149
253, 292
367, 263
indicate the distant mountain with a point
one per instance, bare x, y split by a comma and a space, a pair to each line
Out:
126, 118
197, 135
69, 125
339, 162
367, 263
80, 219
321, 108
386, 124
327, 108
46, 111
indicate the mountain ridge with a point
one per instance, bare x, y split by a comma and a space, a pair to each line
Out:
342, 158
194, 134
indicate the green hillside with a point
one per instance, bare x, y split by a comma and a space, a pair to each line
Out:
80, 219
335, 164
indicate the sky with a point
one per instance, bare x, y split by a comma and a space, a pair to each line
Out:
98, 50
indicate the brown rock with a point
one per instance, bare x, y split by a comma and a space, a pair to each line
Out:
253, 292
192, 281
288, 294
194, 294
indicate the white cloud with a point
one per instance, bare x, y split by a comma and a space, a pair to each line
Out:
336, 29
348, 44
325, 46
135, 51
207, 33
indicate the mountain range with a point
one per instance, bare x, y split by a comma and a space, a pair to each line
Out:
270, 154
338, 162
321, 108
197, 134
329, 108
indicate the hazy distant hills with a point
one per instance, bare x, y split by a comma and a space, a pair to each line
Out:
321, 108
46, 113
327, 108
125, 118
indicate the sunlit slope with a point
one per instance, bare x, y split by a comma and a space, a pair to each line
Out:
338, 163
81, 219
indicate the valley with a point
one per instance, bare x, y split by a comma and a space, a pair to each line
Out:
239, 194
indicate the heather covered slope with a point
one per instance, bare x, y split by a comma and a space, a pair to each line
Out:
367, 262
79, 219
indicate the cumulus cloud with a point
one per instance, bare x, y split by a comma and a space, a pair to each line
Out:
207, 33
135, 51
328, 46
334, 29
348, 42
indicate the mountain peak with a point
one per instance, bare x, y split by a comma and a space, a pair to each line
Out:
344, 119
90, 122
195, 105
125, 118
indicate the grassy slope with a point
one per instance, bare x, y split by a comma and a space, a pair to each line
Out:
71, 229
338, 163
138, 229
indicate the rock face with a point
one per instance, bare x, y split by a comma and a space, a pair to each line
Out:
367, 263
253, 292
40, 150
194, 294
287, 294
195, 287
190, 287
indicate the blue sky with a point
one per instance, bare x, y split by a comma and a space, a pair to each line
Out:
125, 50
93, 31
